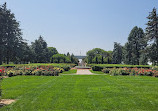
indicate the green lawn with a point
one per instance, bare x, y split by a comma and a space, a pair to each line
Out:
72, 71
97, 72
81, 92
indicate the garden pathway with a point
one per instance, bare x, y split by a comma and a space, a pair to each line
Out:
83, 72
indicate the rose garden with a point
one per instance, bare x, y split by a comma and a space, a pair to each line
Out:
35, 77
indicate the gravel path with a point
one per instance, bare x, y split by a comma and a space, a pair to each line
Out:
83, 72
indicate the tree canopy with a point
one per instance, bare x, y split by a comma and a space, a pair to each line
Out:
98, 56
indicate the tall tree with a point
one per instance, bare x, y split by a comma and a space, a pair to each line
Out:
10, 34
152, 35
1, 33
135, 46
52, 51
117, 53
40, 50
127, 53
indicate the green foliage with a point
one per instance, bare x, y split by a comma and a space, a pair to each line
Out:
99, 67
32, 70
135, 47
117, 53
39, 64
40, 50
14, 49
10, 35
133, 72
59, 58
98, 56
106, 70
152, 36
62, 58
66, 68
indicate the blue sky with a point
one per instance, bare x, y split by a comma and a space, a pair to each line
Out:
80, 25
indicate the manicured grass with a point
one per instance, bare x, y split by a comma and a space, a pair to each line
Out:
97, 72
72, 71
81, 92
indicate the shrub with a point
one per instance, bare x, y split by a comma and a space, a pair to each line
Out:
37, 72
113, 72
61, 70
66, 68
106, 70
11, 73
155, 68
133, 72
124, 72
119, 66
97, 68
2, 70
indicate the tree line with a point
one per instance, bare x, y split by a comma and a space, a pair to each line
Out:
141, 47
13, 48
98, 56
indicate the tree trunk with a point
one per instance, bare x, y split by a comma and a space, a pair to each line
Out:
0, 59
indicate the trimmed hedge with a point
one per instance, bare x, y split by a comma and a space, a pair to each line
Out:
99, 67
40, 64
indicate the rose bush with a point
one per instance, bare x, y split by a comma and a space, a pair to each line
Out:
131, 71
31, 70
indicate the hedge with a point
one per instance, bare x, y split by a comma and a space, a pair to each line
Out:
99, 67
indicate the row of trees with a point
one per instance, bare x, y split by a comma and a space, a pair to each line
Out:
99, 56
141, 47
13, 48
62, 58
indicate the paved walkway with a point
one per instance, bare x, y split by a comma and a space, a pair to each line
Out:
83, 72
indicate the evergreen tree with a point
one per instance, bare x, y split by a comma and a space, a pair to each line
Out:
127, 54
73, 59
117, 53
10, 34
1, 33
152, 36
135, 46
52, 51
40, 50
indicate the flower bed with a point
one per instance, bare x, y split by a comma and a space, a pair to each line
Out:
131, 71
31, 70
